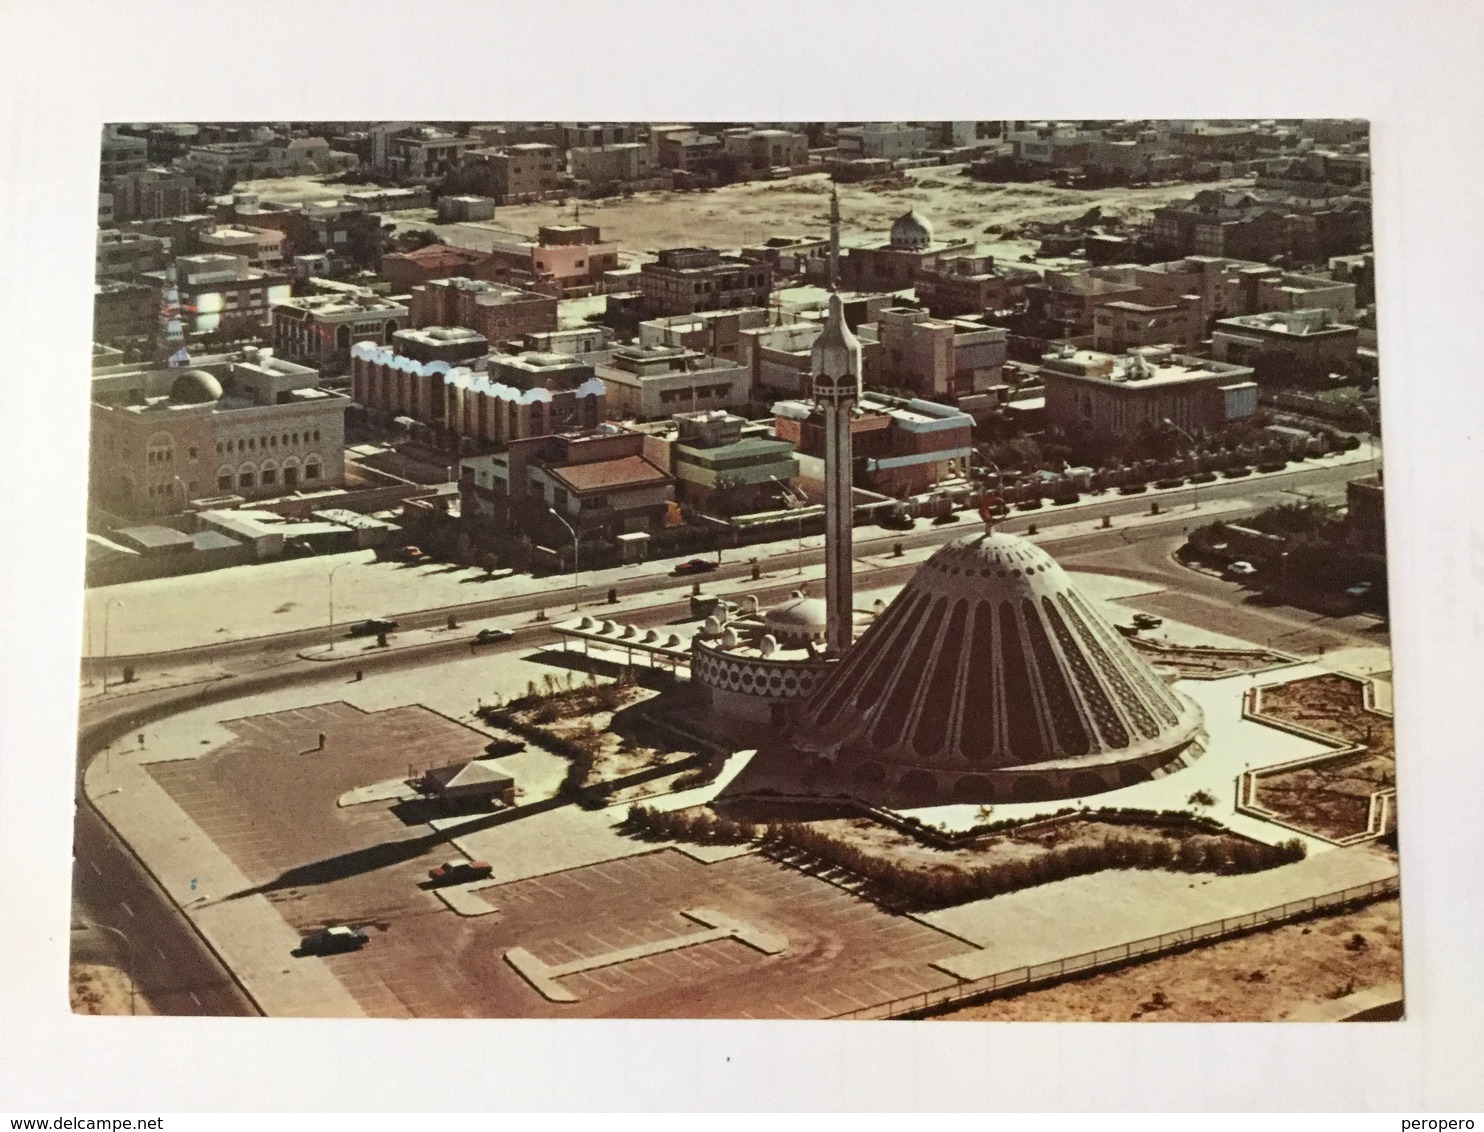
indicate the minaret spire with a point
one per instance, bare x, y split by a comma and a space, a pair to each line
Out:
834, 238
835, 362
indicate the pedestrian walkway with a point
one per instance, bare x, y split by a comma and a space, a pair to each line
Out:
249, 935
1111, 908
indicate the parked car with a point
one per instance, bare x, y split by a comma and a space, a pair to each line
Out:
897, 522
1240, 569
945, 518
372, 628
695, 566
1128, 630
456, 872
1147, 621
330, 941
492, 636
409, 554
1133, 489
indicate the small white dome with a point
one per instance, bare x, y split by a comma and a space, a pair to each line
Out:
911, 232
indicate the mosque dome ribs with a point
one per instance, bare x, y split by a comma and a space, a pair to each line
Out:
991, 679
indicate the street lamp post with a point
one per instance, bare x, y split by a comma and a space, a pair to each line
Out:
576, 559
798, 524
1195, 488
129, 950
332, 602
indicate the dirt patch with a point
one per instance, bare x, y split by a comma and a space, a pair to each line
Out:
1262, 977
734, 215
97, 989
1333, 797
1203, 661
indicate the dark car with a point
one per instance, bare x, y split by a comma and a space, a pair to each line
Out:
456, 872
695, 566
330, 941
1147, 621
1133, 489
492, 636
372, 628
895, 522
946, 518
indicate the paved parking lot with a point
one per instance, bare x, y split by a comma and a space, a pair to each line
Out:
267, 799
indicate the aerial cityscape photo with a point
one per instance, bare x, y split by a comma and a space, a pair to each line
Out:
737, 570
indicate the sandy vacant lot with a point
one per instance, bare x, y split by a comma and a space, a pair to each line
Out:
1263, 977
744, 213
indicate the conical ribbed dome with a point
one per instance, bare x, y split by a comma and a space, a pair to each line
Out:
991, 678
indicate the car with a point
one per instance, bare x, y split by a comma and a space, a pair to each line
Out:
492, 636
409, 554
896, 522
695, 566
945, 518
330, 941
1147, 621
456, 872
1128, 630
372, 628
1133, 489
1240, 569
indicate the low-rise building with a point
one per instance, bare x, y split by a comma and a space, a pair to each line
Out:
497, 311
1122, 325
125, 312
721, 462
954, 285
1118, 394
608, 167
319, 330
900, 446
889, 140
597, 480
249, 425
1281, 342
486, 403
424, 153
518, 173
405, 270
257, 247
390, 198
805, 256
121, 154
151, 194
220, 294
897, 262
686, 280
761, 150
652, 382
935, 357
461, 209
717, 333
127, 255
563, 258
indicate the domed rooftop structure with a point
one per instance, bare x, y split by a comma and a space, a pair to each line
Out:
195, 387
911, 231
990, 678
798, 621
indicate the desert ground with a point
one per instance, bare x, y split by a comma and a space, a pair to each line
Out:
747, 212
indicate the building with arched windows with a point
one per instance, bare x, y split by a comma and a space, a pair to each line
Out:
319, 330
247, 425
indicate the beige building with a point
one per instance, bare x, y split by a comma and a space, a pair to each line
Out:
652, 382
937, 357
247, 425
1122, 325
1118, 394
1304, 339
258, 247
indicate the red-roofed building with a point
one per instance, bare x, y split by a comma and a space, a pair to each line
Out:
598, 482
405, 270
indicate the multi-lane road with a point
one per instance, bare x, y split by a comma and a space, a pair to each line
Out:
176, 971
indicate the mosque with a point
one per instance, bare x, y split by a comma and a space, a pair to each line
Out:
990, 678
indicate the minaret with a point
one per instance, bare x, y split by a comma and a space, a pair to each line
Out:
834, 238
836, 366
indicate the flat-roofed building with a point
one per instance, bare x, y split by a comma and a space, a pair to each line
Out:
686, 280
1279, 342
405, 270
220, 294
1121, 325
127, 255
498, 311
715, 453
936, 357
319, 330
248, 424
258, 247
652, 382
1118, 394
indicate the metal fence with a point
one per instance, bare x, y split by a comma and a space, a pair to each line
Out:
1022, 978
